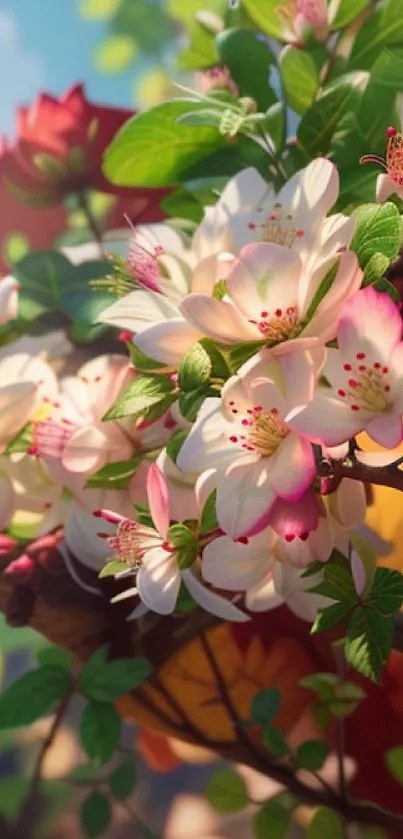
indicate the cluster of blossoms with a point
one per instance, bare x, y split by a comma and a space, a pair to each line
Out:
254, 352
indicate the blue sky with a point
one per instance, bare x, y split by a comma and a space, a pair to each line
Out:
44, 44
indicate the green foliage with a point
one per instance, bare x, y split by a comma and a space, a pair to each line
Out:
146, 396
274, 124
226, 791
300, 78
175, 444
394, 762
145, 22
377, 105
54, 655
249, 61
321, 120
184, 541
347, 11
130, 159
330, 617
383, 28
195, 368
142, 362
100, 730
335, 697
265, 705
49, 282
325, 824
22, 441
96, 815
369, 641
191, 401
115, 54
208, 519
311, 755
105, 680
274, 740
264, 14
338, 582
378, 231
99, 9
122, 781
113, 567
272, 819
386, 593
115, 475
32, 695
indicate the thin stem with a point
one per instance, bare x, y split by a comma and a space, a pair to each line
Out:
48, 742
389, 475
93, 225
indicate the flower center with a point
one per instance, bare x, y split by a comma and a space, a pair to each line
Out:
132, 540
367, 387
279, 228
279, 325
49, 438
143, 264
261, 431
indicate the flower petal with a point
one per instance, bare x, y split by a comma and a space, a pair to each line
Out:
327, 421
217, 319
158, 581
292, 468
158, 499
387, 430
167, 342
209, 600
265, 277
369, 319
385, 187
139, 309
208, 445
245, 497
237, 566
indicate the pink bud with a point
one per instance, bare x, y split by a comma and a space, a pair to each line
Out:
7, 544
22, 567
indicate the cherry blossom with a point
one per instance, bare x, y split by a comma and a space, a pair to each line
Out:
271, 297
365, 377
245, 438
298, 17
24, 382
152, 557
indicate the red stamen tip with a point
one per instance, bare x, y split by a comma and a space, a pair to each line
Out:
391, 132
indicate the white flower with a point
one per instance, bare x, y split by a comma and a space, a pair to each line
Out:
365, 374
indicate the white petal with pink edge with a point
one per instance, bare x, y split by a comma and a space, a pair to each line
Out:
137, 310
217, 319
369, 318
265, 277
245, 497
158, 499
208, 446
292, 468
386, 429
327, 421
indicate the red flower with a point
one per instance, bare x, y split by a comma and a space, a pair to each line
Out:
59, 147
24, 228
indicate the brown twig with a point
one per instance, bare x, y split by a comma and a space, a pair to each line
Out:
389, 476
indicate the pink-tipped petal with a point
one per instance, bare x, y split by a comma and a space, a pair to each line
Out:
217, 319
293, 520
371, 318
387, 430
158, 499
245, 497
292, 468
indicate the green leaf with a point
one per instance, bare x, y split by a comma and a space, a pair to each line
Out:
142, 362
13, 794
140, 396
40, 275
185, 602
54, 655
383, 28
82, 302
113, 567
205, 116
387, 287
226, 791
394, 762
32, 695
312, 754
369, 641
264, 14
100, 730
347, 11
115, 475
378, 100
300, 78
273, 739
240, 353
182, 204
191, 402
22, 441
98, 9
106, 680
249, 61
175, 444
375, 269
184, 541
378, 230
219, 365
130, 159
330, 617
265, 705
274, 124
338, 583
272, 820
122, 781
208, 519
325, 824
321, 120
195, 368
96, 815
387, 590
